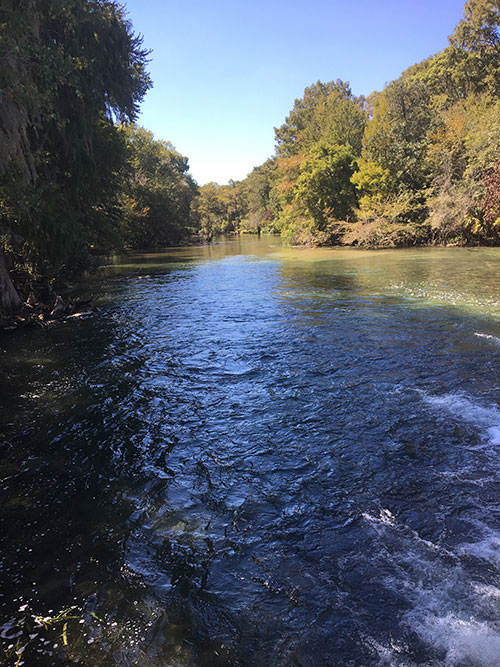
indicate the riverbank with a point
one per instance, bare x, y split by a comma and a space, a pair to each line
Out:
373, 234
41, 301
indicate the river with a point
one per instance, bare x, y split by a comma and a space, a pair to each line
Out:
254, 455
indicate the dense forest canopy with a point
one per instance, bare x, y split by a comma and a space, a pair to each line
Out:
417, 162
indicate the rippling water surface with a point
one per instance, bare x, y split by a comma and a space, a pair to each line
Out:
258, 456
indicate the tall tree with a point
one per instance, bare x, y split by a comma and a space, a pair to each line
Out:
328, 112
211, 210
69, 70
478, 36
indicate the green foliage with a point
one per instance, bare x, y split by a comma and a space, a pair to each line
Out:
257, 189
210, 210
69, 70
308, 184
491, 203
396, 136
328, 113
324, 189
373, 183
296, 228
236, 204
240, 207
464, 148
477, 37
482, 138
158, 196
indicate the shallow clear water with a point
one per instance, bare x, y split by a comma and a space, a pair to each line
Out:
258, 456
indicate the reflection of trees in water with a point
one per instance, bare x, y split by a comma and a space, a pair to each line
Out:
314, 289
318, 276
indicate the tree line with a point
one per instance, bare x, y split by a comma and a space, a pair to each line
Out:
418, 162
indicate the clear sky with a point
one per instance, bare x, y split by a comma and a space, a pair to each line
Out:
227, 72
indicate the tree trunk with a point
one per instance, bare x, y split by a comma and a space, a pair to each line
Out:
10, 302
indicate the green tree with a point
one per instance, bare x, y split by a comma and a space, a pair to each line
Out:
324, 189
396, 136
491, 202
211, 211
257, 188
159, 192
478, 37
328, 113
234, 200
69, 70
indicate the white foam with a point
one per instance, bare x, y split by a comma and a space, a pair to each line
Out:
467, 475
388, 655
465, 641
494, 435
486, 417
449, 611
386, 518
494, 339
487, 591
487, 549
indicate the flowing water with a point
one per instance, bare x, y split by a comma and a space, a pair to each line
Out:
254, 455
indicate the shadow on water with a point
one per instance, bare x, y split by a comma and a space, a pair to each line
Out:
65, 511
259, 457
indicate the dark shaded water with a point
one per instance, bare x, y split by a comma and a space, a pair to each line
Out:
257, 456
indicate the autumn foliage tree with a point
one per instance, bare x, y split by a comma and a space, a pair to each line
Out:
491, 202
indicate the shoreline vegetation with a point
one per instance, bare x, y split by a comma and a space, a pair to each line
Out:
414, 164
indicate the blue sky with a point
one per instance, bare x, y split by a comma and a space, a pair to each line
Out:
226, 72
